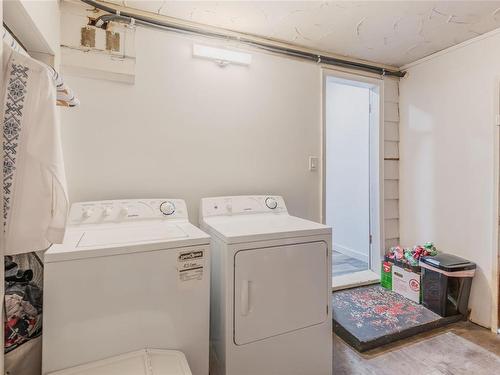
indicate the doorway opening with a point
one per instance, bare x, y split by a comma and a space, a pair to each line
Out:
352, 166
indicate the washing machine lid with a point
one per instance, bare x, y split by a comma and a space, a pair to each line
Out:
106, 240
102, 237
141, 362
259, 227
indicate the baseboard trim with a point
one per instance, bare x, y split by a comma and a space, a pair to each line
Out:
351, 253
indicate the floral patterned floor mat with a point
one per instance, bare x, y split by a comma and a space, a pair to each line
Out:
371, 316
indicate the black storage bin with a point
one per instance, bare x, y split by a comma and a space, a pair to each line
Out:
446, 283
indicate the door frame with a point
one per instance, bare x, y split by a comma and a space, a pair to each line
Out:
495, 260
376, 86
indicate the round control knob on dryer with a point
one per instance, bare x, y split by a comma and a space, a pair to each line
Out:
167, 208
107, 211
271, 203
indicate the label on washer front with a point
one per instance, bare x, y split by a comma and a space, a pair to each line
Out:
190, 265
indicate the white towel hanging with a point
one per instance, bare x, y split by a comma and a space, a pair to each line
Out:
65, 96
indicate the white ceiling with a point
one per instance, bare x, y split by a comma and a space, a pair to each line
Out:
389, 32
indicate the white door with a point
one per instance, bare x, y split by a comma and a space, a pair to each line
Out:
351, 179
279, 289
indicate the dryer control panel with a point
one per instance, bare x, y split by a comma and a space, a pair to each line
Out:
243, 204
127, 210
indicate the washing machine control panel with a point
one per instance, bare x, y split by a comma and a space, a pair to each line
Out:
244, 204
126, 210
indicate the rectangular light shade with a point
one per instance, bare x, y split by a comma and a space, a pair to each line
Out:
221, 55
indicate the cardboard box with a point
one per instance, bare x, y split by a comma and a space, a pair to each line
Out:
386, 275
406, 283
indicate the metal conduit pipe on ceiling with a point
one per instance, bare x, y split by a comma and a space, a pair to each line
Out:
130, 18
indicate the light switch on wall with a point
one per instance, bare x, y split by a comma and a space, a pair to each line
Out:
313, 163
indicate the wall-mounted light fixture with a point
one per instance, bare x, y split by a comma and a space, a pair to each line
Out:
221, 56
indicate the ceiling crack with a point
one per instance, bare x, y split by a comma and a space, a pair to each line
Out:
474, 32
300, 34
434, 10
451, 19
161, 6
358, 26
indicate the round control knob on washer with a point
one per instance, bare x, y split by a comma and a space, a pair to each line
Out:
271, 203
107, 211
167, 208
87, 212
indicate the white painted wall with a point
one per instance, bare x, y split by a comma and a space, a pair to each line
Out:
45, 14
36, 24
449, 164
347, 167
189, 129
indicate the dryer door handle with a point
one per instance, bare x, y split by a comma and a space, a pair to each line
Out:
245, 297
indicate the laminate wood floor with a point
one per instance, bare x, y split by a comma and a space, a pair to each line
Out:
459, 349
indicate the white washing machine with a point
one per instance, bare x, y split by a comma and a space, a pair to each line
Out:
130, 275
143, 362
270, 289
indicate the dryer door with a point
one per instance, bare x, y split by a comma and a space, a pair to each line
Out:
279, 289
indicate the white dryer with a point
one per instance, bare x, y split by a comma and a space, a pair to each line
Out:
270, 289
130, 275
